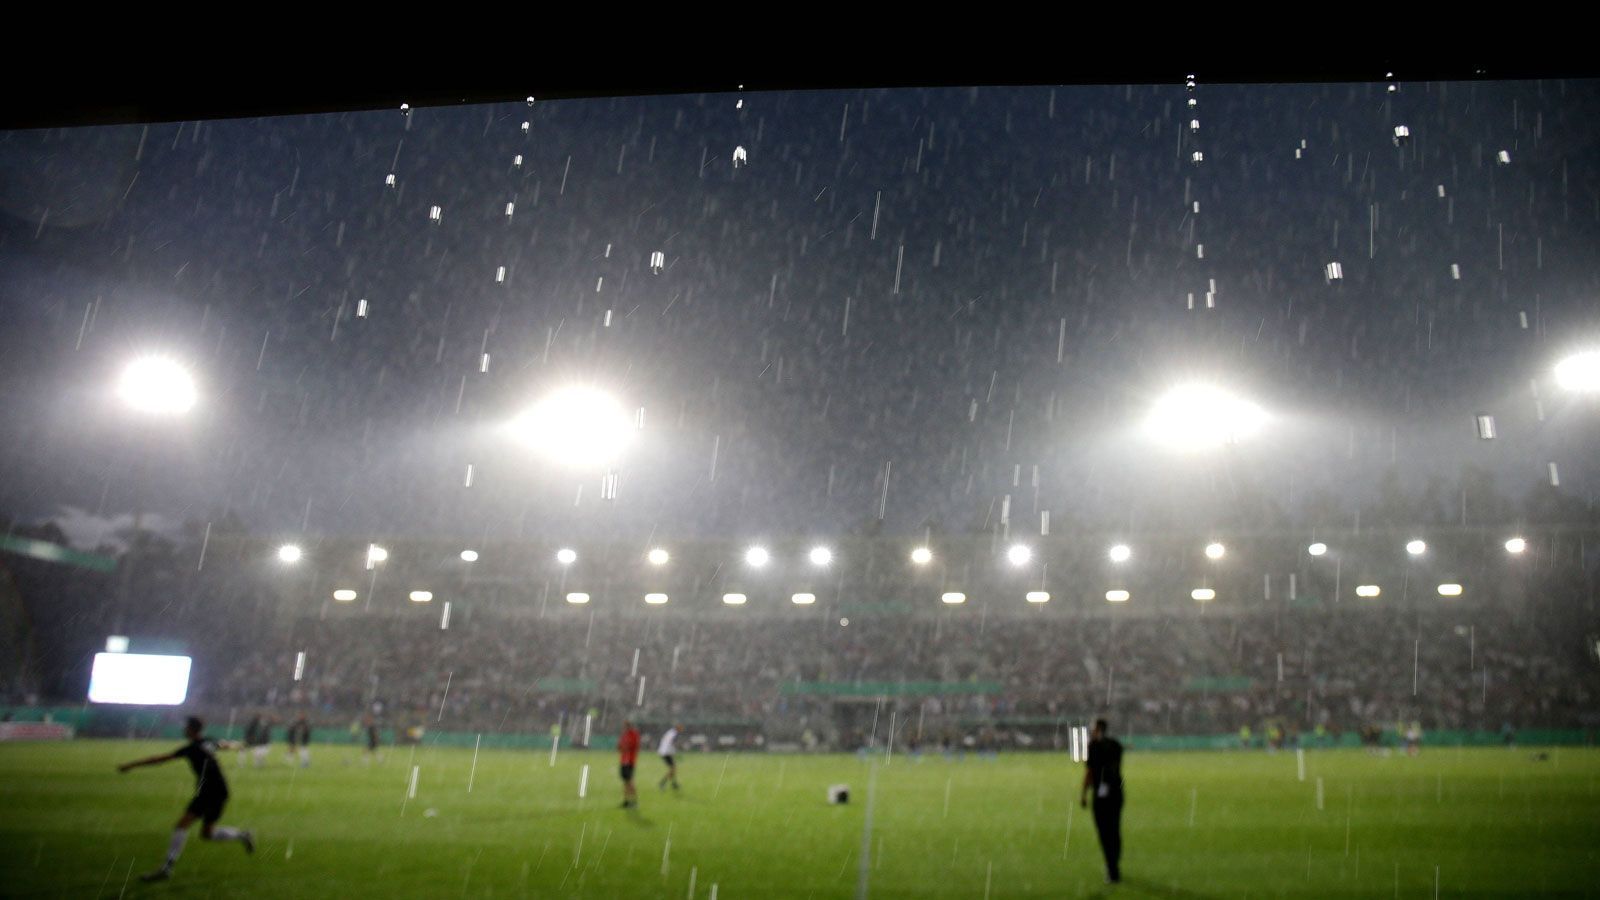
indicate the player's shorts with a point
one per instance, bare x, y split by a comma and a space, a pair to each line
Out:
667, 758
626, 772
207, 805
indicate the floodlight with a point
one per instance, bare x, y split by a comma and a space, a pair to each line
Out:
1019, 554
1203, 594
566, 556
1580, 372
1200, 417
1215, 550
658, 557
1449, 590
922, 556
1516, 545
1121, 553
1368, 590
577, 598
421, 596
158, 385
375, 554
1317, 549
655, 599
1116, 596
469, 556
289, 553
803, 599
578, 427
1038, 597
734, 599
344, 595
756, 557
954, 598
821, 556
1416, 548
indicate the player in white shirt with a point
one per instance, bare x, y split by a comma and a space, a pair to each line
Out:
668, 749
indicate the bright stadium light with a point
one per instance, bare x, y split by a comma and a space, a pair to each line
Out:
1449, 590
1516, 545
734, 599
953, 598
1196, 417
1416, 548
289, 553
658, 557
922, 556
1317, 549
756, 557
803, 599
116, 643
1580, 372
1203, 594
577, 598
1121, 553
344, 595
469, 556
157, 385
821, 556
1215, 550
655, 599
375, 554
1038, 597
1368, 590
1018, 554
1116, 596
577, 427
566, 556
421, 596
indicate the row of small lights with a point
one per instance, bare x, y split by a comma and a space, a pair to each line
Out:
951, 598
758, 557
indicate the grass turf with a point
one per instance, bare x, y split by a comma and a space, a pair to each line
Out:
1197, 825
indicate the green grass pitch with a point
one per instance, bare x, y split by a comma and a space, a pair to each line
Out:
1476, 822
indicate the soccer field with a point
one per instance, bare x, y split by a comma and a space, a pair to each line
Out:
1480, 822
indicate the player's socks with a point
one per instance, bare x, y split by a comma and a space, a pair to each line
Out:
161, 874
180, 836
225, 833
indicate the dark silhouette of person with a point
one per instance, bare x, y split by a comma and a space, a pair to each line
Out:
1103, 776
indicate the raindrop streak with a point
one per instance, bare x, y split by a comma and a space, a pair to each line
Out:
583, 782
472, 773
299, 664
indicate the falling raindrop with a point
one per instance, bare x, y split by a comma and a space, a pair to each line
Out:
740, 157
1334, 271
389, 180
1503, 157
658, 261
510, 208
361, 308
1486, 426
500, 275
435, 215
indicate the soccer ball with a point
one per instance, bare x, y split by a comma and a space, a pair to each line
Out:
839, 793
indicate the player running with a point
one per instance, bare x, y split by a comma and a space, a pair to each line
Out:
628, 751
210, 795
667, 750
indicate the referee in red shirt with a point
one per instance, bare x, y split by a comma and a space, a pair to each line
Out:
628, 750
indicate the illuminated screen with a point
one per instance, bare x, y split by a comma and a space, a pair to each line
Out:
137, 678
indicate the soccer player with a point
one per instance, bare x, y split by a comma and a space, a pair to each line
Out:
628, 751
258, 737
667, 749
1413, 738
371, 725
1104, 775
300, 741
210, 795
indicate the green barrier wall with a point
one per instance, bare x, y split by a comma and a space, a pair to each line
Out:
148, 724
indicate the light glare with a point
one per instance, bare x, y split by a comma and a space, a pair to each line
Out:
954, 598
1121, 553
655, 599
157, 385
1215, 550
421, 596
734, 599
922, 556
577, 427
1449, 590
658, 557
821, 556
1019, 555
756, 557
1203, 594
1038, 597
289, 553
1116, 596
1368, 590
1197, 417
566, 556
469, 556
1516, 545
1317, 549
803, 599
1416, 548
344, 595
1580, 372
577, 598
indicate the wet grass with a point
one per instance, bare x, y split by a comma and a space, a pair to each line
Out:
1197, 825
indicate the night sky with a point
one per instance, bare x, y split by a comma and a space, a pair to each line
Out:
976, 292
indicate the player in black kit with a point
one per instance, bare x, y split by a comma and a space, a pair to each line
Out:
210, 795
1104, 776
